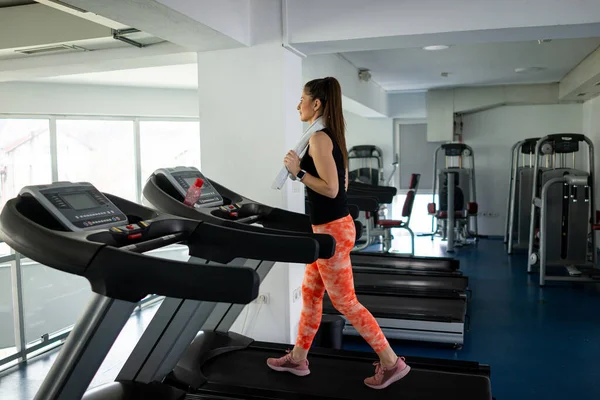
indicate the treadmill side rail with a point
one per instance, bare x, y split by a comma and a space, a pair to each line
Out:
85, 349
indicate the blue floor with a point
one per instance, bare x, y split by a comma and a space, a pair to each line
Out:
539, 343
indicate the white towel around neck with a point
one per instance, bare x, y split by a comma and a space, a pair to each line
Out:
300, 148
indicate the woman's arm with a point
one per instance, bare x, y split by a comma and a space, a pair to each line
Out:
321, 149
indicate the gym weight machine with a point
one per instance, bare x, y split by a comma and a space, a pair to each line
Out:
456, 192
561, 229
365, 164
518, 214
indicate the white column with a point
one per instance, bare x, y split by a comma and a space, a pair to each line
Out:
248, 121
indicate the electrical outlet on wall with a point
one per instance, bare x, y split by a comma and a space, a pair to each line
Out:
297, 295
263, 298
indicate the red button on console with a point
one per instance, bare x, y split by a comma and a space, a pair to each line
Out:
134, 236
129, 226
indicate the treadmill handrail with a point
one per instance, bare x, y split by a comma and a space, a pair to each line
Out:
383, 197
326, 248
276, 221
122, 273
374, 188
252, 244
364, 202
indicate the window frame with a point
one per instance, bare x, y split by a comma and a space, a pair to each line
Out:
47, 343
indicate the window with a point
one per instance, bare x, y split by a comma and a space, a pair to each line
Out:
102, 151
24, 155
420, 220
52, 299
168, 144
7, 322
98, 151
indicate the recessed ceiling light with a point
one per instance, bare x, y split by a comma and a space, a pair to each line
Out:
522, 70
436, 47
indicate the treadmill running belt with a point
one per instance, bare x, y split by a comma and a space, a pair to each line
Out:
410, 282
405, 307
245, 371
402, 262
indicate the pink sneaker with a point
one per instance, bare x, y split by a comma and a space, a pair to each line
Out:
287, 364
384, 377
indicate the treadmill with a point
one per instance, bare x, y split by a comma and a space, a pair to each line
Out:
75, 228
368, 198
405, 309
371, 277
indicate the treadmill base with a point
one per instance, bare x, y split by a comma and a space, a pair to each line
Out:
422, 331
232, 371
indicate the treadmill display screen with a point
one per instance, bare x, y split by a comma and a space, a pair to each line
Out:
190, 181
208, 196
80, 201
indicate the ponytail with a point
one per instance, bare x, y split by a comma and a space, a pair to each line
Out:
329, 91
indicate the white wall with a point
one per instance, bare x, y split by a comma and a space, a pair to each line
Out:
248, 122
51, 98
407, 105
373, 131
491, 133
591, 128
369, 94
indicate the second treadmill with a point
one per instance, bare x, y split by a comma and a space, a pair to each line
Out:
223, 363
404, 309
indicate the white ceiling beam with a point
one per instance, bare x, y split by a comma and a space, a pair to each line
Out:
22, 69
157, 19
349, 25
583, 82
450, 38
37, 25
230, 17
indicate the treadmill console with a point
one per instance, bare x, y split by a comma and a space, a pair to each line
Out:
183, 177
77, 206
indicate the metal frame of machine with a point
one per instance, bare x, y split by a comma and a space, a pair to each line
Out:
364, 153
564, 241
516, 234
455, 155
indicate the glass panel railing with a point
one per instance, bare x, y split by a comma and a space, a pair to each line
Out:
4, 249
52, 300
7, 321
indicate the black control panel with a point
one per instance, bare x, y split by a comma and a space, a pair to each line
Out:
184, 177
78, 206
454, 149
566, 146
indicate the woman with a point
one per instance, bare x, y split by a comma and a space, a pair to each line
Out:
323, 170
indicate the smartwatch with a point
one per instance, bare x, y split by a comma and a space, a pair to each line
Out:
300, 175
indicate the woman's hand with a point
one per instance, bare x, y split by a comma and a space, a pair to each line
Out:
292, 162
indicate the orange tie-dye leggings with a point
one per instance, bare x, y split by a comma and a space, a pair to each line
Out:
335, 276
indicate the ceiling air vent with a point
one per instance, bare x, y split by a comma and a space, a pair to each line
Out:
61, 48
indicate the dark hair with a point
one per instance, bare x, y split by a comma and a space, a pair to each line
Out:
329, 91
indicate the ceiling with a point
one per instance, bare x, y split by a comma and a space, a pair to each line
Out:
414, 69
402, 70
184, 76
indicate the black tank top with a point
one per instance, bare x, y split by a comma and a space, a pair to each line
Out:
324, 209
